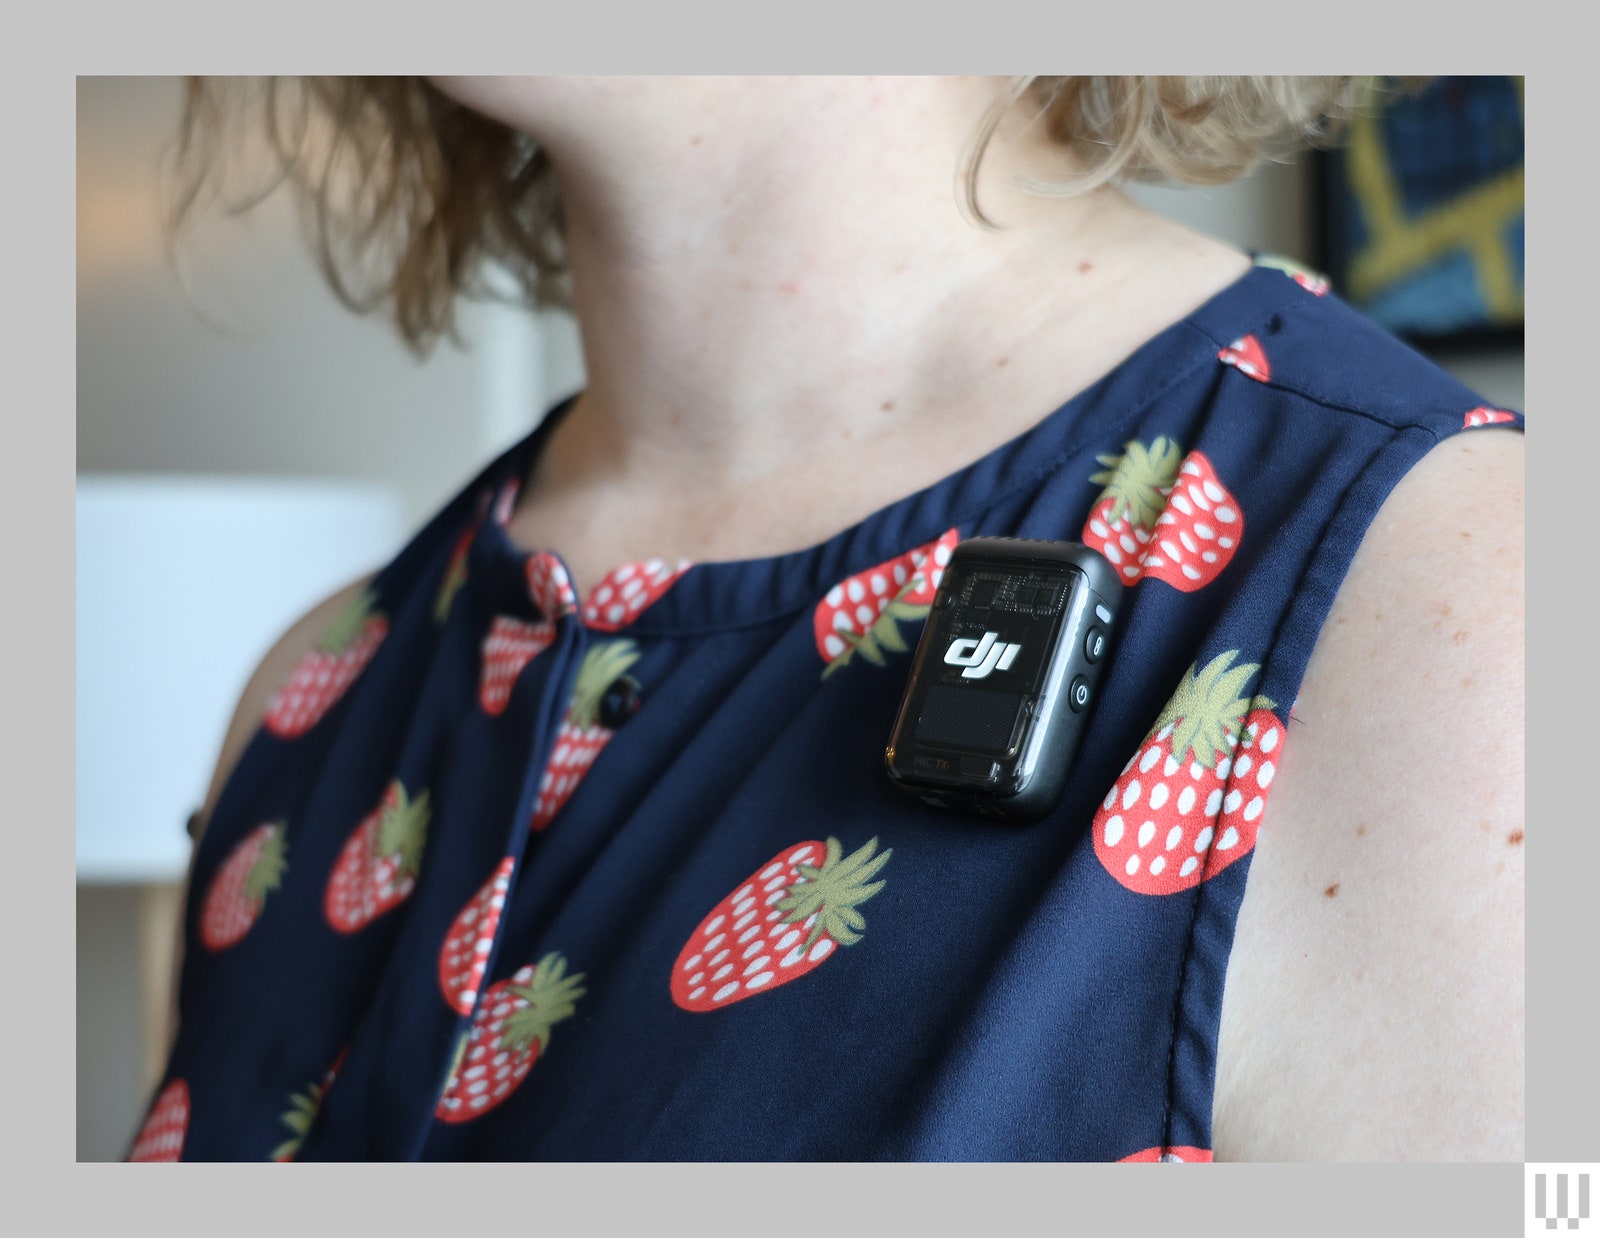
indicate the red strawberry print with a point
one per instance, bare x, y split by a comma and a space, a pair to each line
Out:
377, 868
239, 890
781, 923
622, 596
586, 728
1246, 354
509, 1032
161, 1136
466, 947
1179, 1155
302, 1112
510, 645
322, 675
1312, 281
455, 574
862, 614
505, 501
1483, 415
550, 586
1190, 801
1164, 515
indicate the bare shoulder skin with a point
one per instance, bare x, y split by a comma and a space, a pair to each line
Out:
1374, 1000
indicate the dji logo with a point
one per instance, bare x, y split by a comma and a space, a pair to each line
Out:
1559, 1197
981, 656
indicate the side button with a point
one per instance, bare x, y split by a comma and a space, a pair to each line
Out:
1094, 644
1078, 694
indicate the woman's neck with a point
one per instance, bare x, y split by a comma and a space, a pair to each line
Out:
787, 319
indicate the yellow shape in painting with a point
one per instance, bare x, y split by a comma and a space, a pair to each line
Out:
1399, 244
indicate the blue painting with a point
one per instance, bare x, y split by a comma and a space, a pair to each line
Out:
1423, 208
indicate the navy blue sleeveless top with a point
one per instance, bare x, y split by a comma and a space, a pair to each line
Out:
520, 867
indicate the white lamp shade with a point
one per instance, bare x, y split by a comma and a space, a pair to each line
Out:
183, 584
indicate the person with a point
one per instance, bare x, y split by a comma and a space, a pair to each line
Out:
567, 835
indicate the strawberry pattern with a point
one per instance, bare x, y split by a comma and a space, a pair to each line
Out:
1164, 515
324, 674
616, 873
378, 865
240, 888
1247, 355
466, 948
862, 614
161, 1136
622, 596
779, 925
1168, 1155
509, 1032
1190, 800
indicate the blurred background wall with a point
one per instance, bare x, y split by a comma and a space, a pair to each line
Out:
257, 373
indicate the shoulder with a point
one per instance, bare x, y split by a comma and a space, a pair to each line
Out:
1373, 1005
269, 676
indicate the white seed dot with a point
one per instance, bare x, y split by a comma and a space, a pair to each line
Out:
1231, 804
1264, 775
1252, 810
1133, 864
1230, 838
1158, 795
1174, 836
1203, 839
725, 992
1147, 831
1186, 799
1130, 795
1114, 831
1157, 864
1269, 741
755, 982
1214, 802
1151, 756
821, 950
1189, 866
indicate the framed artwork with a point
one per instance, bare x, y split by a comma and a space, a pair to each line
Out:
1421, 207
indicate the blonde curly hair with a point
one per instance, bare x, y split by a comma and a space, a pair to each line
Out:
410, 199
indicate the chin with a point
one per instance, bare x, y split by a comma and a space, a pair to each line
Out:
550, 107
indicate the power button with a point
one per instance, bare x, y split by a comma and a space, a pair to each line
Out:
1078, 694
